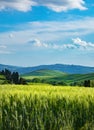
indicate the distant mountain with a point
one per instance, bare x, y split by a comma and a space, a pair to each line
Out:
71, 69
10, 67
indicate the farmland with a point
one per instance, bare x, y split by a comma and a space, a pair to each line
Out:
46, 107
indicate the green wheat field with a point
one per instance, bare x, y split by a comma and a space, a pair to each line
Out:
46, 107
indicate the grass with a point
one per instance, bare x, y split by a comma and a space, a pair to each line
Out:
46, 107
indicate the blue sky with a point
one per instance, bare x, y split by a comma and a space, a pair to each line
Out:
35, 32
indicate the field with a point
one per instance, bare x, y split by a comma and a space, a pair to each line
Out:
46, 107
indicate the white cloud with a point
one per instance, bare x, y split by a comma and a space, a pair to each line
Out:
80, 43
76, 44
62, 46
55, 5
38, 44
62, 5
44, 34
58, 30
20, 5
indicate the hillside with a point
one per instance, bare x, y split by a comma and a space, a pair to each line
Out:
70, 78
45, 72
50, 76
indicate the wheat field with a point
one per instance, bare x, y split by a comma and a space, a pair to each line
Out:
46, 107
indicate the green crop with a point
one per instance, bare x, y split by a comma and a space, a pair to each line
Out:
46, 107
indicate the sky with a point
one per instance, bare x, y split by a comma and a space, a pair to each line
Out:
39, 32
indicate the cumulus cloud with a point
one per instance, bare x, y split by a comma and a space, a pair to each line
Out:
20, 5
81, 43
55, 5
77, 43
62, 5
38, 44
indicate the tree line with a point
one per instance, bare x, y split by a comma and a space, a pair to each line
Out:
12, 77
85, 83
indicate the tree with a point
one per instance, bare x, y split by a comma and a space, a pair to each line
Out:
12, 77
7, 74
36, 80
91, 83
22, 81
15, 77
87, 83
2, 72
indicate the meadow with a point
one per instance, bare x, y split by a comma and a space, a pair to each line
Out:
46, 107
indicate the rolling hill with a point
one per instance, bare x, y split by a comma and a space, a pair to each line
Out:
45, 72
50, 76
70, 78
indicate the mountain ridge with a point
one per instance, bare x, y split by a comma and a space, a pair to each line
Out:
71, 69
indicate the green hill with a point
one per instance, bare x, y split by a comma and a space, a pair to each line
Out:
44, 72
70, 78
